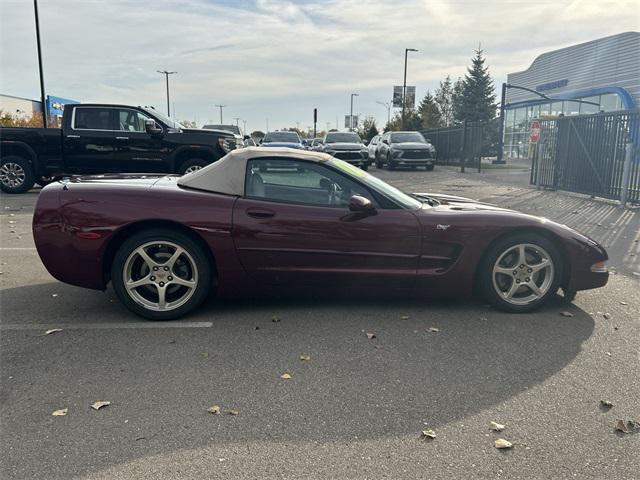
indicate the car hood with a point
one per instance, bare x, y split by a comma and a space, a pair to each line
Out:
281, 144
207, 131
344, 146
412, 146
455, 203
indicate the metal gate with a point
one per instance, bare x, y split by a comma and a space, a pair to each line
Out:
592, 154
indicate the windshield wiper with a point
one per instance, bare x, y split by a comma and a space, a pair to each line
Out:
425, 199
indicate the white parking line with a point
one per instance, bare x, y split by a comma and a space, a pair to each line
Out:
105, 325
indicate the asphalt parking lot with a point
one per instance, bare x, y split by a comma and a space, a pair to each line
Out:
355, 406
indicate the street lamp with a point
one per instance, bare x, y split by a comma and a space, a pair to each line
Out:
221, 107
44, 105
387, 105
351, 116
404, 84
166, 74
244, 127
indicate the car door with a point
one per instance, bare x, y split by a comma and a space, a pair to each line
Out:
293, 227
137, 150
89, 142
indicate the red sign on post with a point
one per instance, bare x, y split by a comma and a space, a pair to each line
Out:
534, 132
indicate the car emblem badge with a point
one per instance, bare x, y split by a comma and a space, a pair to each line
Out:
442, 227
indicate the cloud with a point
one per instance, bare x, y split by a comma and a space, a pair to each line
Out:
278, 59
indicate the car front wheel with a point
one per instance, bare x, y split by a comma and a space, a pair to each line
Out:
161, 274
521, 273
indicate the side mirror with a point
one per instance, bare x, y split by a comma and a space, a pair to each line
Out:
361, 205
385, 141
246, 137
429, 140
150, 126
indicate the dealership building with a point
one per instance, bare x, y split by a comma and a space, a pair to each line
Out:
605, 72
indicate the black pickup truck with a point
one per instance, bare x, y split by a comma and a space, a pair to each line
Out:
98, 138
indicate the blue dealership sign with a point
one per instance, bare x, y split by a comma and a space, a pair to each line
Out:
55, 105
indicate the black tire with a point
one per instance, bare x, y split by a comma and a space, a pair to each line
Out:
191, 165
16, 174
203, 273
429, 168
486, 280
390, 165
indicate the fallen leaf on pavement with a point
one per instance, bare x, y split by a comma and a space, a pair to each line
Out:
624, 303
566, 314
214, 409
378, 346
275, 319
621, 426
371, 336
404, 317
233, 412
434, 329
428, 434
305, 358
285, 376
497, 427
608, 354
606, 404
502, 443
54, 294
53, 330
99, 404
606, 315
60, 413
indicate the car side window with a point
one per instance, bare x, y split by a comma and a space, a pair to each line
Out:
131, 121
292, 181
92, 118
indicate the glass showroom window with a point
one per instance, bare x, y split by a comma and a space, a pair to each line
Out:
586, 108
572, 108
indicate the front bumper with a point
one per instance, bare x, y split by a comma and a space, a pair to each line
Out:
350, 156
413, 162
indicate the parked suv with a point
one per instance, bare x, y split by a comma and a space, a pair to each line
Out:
405, 149
98, 138
346, 146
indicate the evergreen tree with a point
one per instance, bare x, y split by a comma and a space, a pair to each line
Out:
429, 112
457, 101
443, 97
478, 101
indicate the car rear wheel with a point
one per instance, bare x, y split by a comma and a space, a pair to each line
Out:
192, 165
161, 274
16, 174
521, 273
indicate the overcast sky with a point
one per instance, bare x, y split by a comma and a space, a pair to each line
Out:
278, 59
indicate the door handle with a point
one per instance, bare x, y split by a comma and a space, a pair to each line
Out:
73, 136
260, 213
122, 138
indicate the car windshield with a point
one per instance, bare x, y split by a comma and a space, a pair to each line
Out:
402, 137
343, 138
163, 118
376, 184
229, 128
288, 137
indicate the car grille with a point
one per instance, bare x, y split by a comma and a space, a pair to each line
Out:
355, 155
416, 154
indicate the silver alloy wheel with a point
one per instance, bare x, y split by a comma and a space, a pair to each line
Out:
160, 276
523, 274
192, 168
12, 175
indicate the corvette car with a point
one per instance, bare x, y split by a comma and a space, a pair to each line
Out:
260, 220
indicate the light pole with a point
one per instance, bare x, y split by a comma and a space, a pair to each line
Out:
387, 105
351, 116
166, 74
404, 84
42, 99
221, 107
244, 127
237, 119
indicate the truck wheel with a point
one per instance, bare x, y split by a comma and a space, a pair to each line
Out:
16, 174
192, 165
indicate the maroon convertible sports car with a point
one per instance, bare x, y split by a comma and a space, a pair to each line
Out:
287, 219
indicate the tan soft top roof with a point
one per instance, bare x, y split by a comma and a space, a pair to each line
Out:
227, 174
